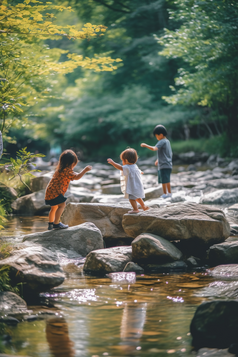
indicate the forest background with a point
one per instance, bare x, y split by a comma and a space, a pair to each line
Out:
179, 68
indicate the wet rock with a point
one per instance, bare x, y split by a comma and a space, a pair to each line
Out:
177, 266
193, 262
133, 267
11, 303
213, 352
8, 320
36, 267
215, 324
220, 197
103, 261
223, 253
149, 248
123, 277
108, 218
82, 238
114, 189
184, 221
225, 272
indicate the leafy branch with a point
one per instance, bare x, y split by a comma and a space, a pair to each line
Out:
21, 166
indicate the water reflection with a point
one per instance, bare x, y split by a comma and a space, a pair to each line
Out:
57, 335
132, 326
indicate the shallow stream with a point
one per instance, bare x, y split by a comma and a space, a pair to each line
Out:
94, 317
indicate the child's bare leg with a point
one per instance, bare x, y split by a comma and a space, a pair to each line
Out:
168, 187
164, 186
58, 212
52, 213
142, 203
134, 205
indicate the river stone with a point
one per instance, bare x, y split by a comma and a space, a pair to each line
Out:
223, 253
11, 303
107, 218
133, 267
39, 183
153, 192
225, 272
34, 203
176, 266
36, 267
154, 249
183, 221
215, 324
220, 197
110, 199
114, 189
225, 183
82, 238
103, 261
214, 352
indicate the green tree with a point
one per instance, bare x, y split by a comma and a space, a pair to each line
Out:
207, 42
27, 62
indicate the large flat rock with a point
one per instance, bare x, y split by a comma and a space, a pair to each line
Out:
108, 260
180, 221
108, 218
36, 267
82, 238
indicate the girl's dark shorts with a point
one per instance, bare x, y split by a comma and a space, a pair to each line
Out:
164, 175
56, 201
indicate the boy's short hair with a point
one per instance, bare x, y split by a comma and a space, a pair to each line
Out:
130, 155
160, 129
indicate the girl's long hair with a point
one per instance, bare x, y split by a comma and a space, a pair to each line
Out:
67, 158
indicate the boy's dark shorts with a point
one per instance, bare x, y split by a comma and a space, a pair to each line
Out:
164, 175
56, 201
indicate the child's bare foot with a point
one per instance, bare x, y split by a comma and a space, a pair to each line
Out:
145, 208
133, 211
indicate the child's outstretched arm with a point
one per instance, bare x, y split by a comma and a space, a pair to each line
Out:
113, 163
83, 172
152, 148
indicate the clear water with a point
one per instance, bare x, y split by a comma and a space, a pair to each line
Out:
92, 317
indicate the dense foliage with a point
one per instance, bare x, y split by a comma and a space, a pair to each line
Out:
179, 68
28, 63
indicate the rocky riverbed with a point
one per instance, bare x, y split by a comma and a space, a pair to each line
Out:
195, 230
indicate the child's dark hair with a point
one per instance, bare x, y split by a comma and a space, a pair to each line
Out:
67, 158
130, 155
160, 129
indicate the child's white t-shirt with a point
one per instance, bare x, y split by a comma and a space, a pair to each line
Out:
131, 183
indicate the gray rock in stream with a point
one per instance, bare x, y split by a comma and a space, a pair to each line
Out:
220, 197
103, 261
82, 238
223, 253
184, 221
11, 303
107, 217
36, 267
215, 324
149, 248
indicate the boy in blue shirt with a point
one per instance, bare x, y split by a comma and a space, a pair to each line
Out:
164, 160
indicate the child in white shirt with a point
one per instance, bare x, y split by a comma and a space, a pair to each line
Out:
133, 185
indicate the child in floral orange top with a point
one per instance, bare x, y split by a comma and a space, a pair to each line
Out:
58, 185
